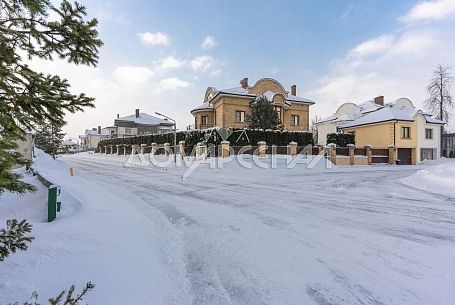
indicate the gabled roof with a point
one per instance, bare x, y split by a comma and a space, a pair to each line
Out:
144, 119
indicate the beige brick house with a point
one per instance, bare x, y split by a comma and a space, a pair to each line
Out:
229, 108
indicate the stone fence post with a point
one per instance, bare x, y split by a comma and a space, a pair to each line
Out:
332, 152
182, 149
262, 148
293, 148
369, 153
351, 153
154, 148
167, 149
118, 149
112, 149
392, 155
125, 146
143, 147
225, 149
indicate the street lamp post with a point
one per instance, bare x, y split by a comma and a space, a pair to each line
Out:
175, 134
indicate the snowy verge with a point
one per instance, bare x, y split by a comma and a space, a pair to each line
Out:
99, 236
438, 178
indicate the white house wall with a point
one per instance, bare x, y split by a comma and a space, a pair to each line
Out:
428, 143
323, 130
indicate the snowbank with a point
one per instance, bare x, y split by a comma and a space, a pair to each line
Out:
438, 177
98, 236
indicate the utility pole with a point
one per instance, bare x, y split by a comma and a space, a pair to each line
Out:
175, 134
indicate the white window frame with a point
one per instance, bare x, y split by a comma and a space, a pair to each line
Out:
241, 116
430, 130
295, 120
405, 135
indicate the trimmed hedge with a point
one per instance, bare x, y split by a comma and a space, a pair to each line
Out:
341, 139
236, 137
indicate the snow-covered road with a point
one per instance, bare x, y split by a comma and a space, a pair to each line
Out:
292, 236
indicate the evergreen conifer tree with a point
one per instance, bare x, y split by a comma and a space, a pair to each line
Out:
28, 97
263, 115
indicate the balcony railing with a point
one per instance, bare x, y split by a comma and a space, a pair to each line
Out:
200, 126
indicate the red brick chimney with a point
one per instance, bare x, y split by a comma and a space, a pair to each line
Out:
244, 83
379, 100
294, 90
137, 113
99, 129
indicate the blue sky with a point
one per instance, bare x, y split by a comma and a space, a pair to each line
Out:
162, 55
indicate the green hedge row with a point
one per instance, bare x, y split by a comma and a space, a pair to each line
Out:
341, 139
236, 137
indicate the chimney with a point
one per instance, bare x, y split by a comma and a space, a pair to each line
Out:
379, 100
99, 129
294, 90
137, 113
244, 83
118, 116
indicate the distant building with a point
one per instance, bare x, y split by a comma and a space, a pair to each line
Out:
68, 146
139, 124
229, 108
25, 147
92, 137
448, 145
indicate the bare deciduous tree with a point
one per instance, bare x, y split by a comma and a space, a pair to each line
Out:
440, 100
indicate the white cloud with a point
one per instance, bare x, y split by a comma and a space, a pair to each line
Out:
430, 10
133, 75
373, 46
152, 39
202, 63
172, 62
209, 42
173, 83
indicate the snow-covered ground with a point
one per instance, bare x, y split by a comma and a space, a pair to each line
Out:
232, 235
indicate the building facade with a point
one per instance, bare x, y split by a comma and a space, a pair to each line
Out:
414, 133
229, 108
449, 145
139, 124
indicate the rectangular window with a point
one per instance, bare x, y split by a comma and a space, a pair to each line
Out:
295, 120
278, 110
428, 133
204, 120
128, 130
405, 132
240, 116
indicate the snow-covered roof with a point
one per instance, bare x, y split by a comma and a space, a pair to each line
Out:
369, 106
236, 90
68, 142
294, 98
431, 119
203, 106
145, 119
383, 114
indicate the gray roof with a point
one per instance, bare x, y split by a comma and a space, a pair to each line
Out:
145, 119
383, 114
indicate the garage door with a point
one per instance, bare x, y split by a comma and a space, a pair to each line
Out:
405, 156
427, 154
